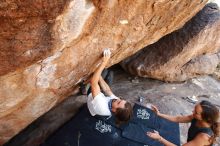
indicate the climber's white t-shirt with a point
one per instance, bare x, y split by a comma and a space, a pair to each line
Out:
99, 104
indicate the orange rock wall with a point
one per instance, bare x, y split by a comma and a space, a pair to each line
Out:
47, 47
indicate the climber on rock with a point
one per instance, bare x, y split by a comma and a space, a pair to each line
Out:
106, 104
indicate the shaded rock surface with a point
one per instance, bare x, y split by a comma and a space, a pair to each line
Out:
169, 97
216, 74
48, 47
183, 54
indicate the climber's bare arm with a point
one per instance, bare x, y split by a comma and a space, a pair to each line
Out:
97, 74
105, 87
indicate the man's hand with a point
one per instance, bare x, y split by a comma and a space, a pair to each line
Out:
106, 55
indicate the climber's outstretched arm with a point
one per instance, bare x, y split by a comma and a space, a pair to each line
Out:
97, 74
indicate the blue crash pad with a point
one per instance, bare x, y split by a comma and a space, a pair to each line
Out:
144, 119
85, 130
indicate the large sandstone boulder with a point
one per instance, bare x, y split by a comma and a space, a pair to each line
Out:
48, 47
183, 54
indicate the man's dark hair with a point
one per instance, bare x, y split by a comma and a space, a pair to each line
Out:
123, 115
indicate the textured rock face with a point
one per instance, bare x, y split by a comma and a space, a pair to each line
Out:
180, 55
47, 47
25, 31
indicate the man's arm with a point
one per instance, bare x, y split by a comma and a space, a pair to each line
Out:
105, 87
97, 74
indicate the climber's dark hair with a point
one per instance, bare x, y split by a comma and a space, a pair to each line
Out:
123, 115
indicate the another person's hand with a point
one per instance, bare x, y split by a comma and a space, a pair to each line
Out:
155, 109
154, 135
106, 55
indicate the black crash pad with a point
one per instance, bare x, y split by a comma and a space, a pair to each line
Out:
85, 130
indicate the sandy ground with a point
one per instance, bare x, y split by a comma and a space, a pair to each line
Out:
168, 97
